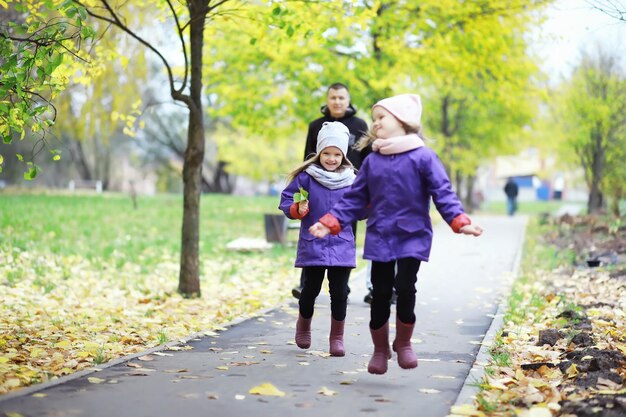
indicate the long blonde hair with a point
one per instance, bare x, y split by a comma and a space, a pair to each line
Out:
315, 159
367, 139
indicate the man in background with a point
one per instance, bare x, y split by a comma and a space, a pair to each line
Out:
338, 108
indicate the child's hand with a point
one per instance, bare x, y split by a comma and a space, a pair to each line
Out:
303, 207
471, 229
319, 230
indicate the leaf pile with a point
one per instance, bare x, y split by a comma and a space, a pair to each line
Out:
63, 313
562, 349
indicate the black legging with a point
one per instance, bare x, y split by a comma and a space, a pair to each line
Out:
383, 283
337, 284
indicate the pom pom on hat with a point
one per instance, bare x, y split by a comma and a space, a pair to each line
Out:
333, 134
405, 107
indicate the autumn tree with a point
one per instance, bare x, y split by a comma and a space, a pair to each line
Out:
467, 59
36, 38
592, 114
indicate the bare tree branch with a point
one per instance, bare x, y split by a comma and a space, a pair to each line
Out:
115, 20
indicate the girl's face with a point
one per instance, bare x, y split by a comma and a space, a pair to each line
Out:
385, 124
331, 158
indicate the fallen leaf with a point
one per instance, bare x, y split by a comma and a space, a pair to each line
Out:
326, 392
382, 400
319, 353
266, 389
536, 412
429, 391
95, 380
466, 410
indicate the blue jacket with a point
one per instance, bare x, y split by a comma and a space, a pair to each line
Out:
339, 250
398, 188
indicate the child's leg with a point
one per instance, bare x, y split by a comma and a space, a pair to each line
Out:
406, 279
311, 289
382, 290
405, 315
338, 285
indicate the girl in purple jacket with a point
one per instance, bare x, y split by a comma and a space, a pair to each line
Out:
323, 180
396, 183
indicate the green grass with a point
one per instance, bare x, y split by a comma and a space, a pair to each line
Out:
110, 233
101, 225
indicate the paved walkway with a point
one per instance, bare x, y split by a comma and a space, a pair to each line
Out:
459, 291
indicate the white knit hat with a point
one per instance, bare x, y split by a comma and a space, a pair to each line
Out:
333, 134
405, 107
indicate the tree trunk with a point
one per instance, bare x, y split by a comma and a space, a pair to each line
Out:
595, 202
189, 278
79, 159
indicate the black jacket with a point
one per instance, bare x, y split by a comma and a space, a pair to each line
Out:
511, 189
356, 126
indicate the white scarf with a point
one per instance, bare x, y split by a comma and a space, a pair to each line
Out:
332, 180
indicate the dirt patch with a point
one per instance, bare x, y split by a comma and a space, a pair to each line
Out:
591, 238
596, 377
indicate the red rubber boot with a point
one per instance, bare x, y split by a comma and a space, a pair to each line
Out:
336, 337
382, 353
303, 332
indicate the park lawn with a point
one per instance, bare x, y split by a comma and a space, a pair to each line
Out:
88, 278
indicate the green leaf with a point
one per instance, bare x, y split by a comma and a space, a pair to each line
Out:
305, 193
276, 11
20, 157
252, 41
297, 197
31, 174
290, 31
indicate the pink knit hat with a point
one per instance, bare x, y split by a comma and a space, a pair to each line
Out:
405, 107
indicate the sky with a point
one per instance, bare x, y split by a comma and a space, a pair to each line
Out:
573, 25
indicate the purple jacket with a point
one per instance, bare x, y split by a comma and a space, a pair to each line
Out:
398, 189
339, 250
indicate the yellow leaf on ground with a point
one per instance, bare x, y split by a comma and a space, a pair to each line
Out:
327, 392
429, 391
95, 380
466, 410
572, 371
267, 389
536, 412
